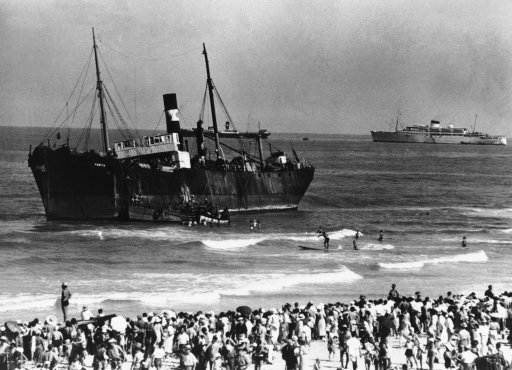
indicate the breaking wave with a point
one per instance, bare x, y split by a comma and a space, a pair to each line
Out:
376, 247
476, 257
488, 212
150, 233
193, 288
231, 244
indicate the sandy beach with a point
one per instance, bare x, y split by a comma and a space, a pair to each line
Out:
316, 350
454, 331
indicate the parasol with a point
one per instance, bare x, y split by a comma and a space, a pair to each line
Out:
244, 310
118, 323
168, 313
12, 326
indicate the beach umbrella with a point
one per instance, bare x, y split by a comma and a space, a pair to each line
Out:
168, 313
12, 326
118, 323
244, 310
52, 320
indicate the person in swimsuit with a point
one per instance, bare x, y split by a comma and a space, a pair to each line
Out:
326, 239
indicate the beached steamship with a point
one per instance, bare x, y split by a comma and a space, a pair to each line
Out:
159, 177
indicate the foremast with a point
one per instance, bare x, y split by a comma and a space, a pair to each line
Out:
209, 83
99, 87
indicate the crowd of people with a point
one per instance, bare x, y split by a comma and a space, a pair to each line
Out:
452, 331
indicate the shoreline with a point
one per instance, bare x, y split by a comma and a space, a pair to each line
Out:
224, 303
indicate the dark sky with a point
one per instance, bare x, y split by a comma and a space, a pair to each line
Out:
302, 66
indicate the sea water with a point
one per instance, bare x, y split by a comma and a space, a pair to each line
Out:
424, 198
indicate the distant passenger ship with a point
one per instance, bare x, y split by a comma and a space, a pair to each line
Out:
435, 134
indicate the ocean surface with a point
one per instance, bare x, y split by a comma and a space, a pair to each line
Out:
425, 198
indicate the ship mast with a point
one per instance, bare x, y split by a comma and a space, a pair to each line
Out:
99, 87
212, 103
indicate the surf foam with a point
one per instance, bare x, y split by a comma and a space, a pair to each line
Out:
231, 244
475, 257
376, 247
488, 212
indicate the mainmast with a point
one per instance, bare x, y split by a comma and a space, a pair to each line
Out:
99, 87
212, 103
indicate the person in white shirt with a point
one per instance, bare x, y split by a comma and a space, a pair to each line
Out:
158, 355
467, 358
353, 350
86, 314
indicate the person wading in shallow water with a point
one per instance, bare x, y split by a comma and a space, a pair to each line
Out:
326, 239
321, 233
64, 300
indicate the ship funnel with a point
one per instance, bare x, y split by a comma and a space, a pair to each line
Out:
171, 113
171, 117
434, 124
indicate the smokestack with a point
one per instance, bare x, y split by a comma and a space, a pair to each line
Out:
171, 116
434, 124
171, 113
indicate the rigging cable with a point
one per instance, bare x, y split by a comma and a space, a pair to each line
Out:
119, 96
159, 121
52, 130
86, 131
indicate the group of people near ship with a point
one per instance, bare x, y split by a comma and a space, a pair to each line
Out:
451, 331
204, 212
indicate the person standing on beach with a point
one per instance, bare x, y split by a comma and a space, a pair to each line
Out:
464, 242
65, 296
393, 293
354, 350
289, 355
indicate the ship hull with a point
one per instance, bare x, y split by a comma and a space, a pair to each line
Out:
78, 186
407, 137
